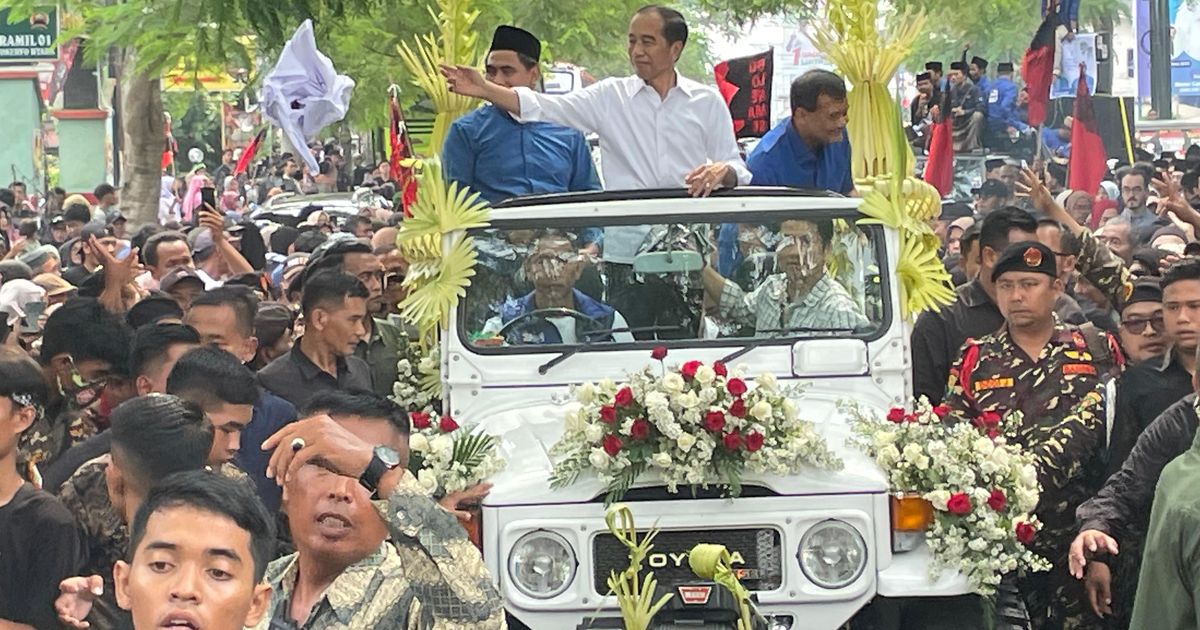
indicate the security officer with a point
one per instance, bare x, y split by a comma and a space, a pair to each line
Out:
1055, 375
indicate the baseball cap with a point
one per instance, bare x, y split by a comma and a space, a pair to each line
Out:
53, 284
177, 275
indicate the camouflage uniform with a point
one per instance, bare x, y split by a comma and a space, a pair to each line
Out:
51, 435
428, 576
105, 533
1060, 395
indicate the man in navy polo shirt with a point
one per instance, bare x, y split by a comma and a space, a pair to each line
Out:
809, 149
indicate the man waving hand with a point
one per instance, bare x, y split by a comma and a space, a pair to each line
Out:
657, 129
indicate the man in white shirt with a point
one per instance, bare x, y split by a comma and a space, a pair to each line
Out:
657, 129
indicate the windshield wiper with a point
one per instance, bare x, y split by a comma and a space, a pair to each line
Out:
773, 334
588, 343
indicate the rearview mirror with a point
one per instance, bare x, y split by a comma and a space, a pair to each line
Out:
668, 262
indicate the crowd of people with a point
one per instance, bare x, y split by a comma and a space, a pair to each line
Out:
195, 422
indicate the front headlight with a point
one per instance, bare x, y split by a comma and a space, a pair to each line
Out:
542, 564
832, 554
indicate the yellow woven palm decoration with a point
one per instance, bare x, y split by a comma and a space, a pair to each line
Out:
635, 596
881, 157
455, 42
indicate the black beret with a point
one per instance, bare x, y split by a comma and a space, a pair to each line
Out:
517, 40
1030, 256
1144, 290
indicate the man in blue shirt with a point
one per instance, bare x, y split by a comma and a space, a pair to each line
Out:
498, 157
978, 73
807, 150
1003, 115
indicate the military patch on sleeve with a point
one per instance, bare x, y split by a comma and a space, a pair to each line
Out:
1079, 368
993, 383
1078, 355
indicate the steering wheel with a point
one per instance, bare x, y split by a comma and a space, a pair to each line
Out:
544, 314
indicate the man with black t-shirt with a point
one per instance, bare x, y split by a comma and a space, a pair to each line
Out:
39, 545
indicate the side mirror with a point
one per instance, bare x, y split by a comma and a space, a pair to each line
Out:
668, 262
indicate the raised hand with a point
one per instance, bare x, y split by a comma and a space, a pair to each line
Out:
1031, 184
75, 597
464, 80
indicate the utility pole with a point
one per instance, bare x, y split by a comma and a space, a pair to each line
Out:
1160, 59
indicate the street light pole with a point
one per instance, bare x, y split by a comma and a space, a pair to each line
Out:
1160, 59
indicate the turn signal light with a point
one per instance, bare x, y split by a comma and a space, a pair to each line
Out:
911, 514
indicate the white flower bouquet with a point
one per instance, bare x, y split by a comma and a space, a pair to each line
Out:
694, 425
447, 458
982, 488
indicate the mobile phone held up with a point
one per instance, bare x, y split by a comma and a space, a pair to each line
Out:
208, 197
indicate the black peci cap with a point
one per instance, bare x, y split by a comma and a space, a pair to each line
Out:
980, 62
933, 66
517, 40
923, 76
1029, 256
1004, 66
958, 65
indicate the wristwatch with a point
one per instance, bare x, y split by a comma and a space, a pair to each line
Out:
383, 459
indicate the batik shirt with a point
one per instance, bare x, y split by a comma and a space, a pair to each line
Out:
106, 538
827, 305
51, 436
1061, 397
428, 575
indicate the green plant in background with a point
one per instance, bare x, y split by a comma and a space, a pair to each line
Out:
455, 42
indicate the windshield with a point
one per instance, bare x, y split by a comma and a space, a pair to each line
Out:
623, 282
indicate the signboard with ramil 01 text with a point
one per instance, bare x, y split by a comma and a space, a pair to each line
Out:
33, 38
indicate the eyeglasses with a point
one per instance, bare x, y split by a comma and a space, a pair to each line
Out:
1138, 326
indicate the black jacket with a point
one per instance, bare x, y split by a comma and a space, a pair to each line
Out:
1122, 507
1144, 392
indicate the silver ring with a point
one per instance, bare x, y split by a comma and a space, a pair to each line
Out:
298, 444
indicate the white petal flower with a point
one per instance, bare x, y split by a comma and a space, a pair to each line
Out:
939, 499
598, 459
662, 460
657, 400
705, 375
418, 443
767, 380
685, 442
789, 409
673, 382
761, 410
586, 393
593, 432
428, 480
441, 444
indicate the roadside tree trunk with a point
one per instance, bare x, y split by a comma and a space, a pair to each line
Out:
144, 139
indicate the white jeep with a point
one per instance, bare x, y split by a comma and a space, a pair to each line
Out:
815, 548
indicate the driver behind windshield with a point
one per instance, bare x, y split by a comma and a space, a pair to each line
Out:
555, 311
799, 295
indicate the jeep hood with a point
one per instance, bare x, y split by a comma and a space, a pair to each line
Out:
527, 432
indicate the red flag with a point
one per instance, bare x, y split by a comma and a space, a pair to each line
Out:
1088, 158
248, 153
401, 149
1037, 68
939, 166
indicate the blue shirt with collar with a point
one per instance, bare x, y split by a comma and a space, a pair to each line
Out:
782, 158
271, 413
1002, 110
500, 158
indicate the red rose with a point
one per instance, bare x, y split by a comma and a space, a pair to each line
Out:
624, 397
896, 414
997, 501
959, 504
447, 424
640, 429
754, 441
732, 441
658, 353
714, 421
611, 445
993, 434
736, 386
689, 370
719, 369
420, 420
990, 419
941, 411
738, 408
912, 418
608, 414
1026, 533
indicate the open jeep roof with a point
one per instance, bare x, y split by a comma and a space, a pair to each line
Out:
661, 193
653, 204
